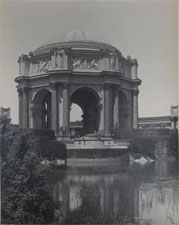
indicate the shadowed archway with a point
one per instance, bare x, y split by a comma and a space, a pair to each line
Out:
88, 101
41, 109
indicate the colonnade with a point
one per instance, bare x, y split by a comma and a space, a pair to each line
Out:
60, 108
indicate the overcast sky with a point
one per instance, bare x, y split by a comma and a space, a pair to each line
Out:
146, 30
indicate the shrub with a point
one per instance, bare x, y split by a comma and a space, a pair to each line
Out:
25, 196
52, 149
143, 146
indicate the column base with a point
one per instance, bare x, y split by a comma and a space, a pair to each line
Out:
107, 134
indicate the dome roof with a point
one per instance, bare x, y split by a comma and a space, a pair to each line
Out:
75, 35
74, 38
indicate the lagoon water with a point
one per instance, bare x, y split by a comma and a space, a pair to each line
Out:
117, 194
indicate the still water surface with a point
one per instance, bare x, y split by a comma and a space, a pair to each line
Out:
130, 194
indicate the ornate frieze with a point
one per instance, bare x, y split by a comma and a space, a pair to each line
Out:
40, 66
84, 62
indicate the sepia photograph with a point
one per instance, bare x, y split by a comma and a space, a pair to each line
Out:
89, 112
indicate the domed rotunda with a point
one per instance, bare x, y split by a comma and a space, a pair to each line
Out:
78, 67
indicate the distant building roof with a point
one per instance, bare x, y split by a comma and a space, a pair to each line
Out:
76, 124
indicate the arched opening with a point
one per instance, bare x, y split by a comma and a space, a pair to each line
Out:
41, 109
76, 124
88, 101
75, 113
123, 114
46, 111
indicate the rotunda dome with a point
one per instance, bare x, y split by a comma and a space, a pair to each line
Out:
76, 35
73, 38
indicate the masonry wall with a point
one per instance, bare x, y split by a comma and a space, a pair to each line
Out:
155, 143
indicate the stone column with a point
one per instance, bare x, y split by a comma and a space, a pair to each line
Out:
65, 108
60, 107
116, 107
31, 112
20, 95
101, 109
25, 108
54, 106
135, 109
106, 109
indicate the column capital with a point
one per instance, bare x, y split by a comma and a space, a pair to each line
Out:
20, 92
106, 86
67, 49
65, 85
173, 118
53, 86
135, 92
116, 87
25, 90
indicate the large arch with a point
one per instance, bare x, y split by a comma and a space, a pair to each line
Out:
88, 100
41, 109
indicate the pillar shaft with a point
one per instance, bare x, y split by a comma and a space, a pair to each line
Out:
60, 107
25, 109
116, 108
135, 109
20, 94
65, 108
106, 109
54, 107
101, 109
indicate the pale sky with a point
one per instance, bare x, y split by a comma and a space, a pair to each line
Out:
146, 30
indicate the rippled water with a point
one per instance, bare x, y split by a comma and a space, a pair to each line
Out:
128, 194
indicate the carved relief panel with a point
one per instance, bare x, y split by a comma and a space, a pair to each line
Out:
42, 65
85, 63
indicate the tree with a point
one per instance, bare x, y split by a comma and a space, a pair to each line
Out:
25, 196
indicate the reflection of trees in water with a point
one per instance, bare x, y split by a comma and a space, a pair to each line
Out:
107, 198
173, 210
141, 193
157, 202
